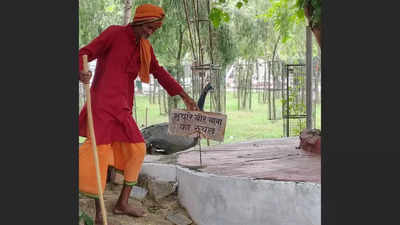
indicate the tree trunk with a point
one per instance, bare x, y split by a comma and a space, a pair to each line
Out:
150, 92
219, 95
127, 11
317, 30
269, 91
273, 91
178, 62
318, 79
239, 79
273, 78
243, 86
265, 82
251, 85
275, 48
159, 100
258, 90
158, 94
171, 104
246, 85
164, 102
278, 79
154, 91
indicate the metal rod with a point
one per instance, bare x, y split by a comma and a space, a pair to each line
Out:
201, 163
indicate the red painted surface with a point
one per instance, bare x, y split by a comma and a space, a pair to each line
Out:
270, 159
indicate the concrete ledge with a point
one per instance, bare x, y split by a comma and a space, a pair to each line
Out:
219, 200
223, 200
161, 172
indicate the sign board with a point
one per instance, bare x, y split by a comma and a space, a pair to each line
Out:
210, 125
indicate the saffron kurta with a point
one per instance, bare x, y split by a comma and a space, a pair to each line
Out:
112, 89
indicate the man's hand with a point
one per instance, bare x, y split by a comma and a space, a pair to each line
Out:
84, 77
189, 102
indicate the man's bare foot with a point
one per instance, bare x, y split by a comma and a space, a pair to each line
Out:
129, 210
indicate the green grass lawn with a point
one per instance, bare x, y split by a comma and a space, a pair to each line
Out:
244, 125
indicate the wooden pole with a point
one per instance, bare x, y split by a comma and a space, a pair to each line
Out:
93, 139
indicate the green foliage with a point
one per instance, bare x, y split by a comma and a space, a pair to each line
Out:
283, 16
263, 23
218, 12
87, 220
226, 50
315, 7
217, 16
239, 5
95, 16
280, 11
166, 40
294, 48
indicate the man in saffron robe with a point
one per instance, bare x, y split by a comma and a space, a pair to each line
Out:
122, 53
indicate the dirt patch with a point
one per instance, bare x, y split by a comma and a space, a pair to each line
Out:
157, 212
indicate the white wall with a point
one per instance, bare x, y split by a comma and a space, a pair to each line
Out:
221, 200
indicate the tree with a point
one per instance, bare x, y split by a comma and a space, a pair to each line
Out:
127, 11
310, 9
313, 12
95, 16
171, 44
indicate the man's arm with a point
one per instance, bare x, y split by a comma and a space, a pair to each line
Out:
94, 49
170, 84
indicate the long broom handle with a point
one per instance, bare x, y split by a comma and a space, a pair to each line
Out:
93, 139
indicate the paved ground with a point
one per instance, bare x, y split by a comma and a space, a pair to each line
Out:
157, 211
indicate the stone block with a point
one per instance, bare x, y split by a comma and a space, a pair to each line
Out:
161, 189
179, 219
138, 193
310, 140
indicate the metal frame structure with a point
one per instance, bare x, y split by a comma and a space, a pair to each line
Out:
203, 72
294, 112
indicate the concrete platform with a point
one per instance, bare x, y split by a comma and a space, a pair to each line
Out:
258, 182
